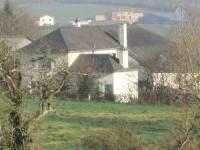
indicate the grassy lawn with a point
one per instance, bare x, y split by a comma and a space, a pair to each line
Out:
74, 120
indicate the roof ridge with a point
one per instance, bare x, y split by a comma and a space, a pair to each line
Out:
61, 34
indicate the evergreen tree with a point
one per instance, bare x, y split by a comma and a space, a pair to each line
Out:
7, 9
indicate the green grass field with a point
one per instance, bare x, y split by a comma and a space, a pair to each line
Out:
73, 120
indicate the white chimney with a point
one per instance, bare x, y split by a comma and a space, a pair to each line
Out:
77, 23
123, 35
123, 52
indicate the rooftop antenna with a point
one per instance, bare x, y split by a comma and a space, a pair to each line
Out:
44, 7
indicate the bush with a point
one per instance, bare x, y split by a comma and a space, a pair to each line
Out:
167, 95
121, 138
185, 134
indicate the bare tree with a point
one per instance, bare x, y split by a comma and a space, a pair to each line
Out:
187, 67
187, 52
11, 85
14, 22
50, 85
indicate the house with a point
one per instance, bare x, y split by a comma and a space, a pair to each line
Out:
88, 50
126, 15
118, 55
46, 20
79, 23
100, 17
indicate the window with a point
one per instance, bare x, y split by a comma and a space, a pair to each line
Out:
108, 90
101, 88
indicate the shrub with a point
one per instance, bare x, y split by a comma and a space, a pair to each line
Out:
185, 135
167, 95
121, 138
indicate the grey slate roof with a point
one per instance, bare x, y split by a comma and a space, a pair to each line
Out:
151, 50
147, 48
74, 39
87, 38
53, 42
95, 64
15, 42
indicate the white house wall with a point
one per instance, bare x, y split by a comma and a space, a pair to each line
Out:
125, 85
72, 57
175, 80
123, 58
165, 79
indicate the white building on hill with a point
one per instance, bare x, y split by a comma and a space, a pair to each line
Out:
126, 15
46, 21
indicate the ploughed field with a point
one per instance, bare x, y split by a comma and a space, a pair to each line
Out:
74, 120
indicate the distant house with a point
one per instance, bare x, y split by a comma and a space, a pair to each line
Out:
79, 23
46, 21
118, 55
126, 15
100, 17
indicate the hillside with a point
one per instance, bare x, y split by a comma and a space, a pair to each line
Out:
150, 4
